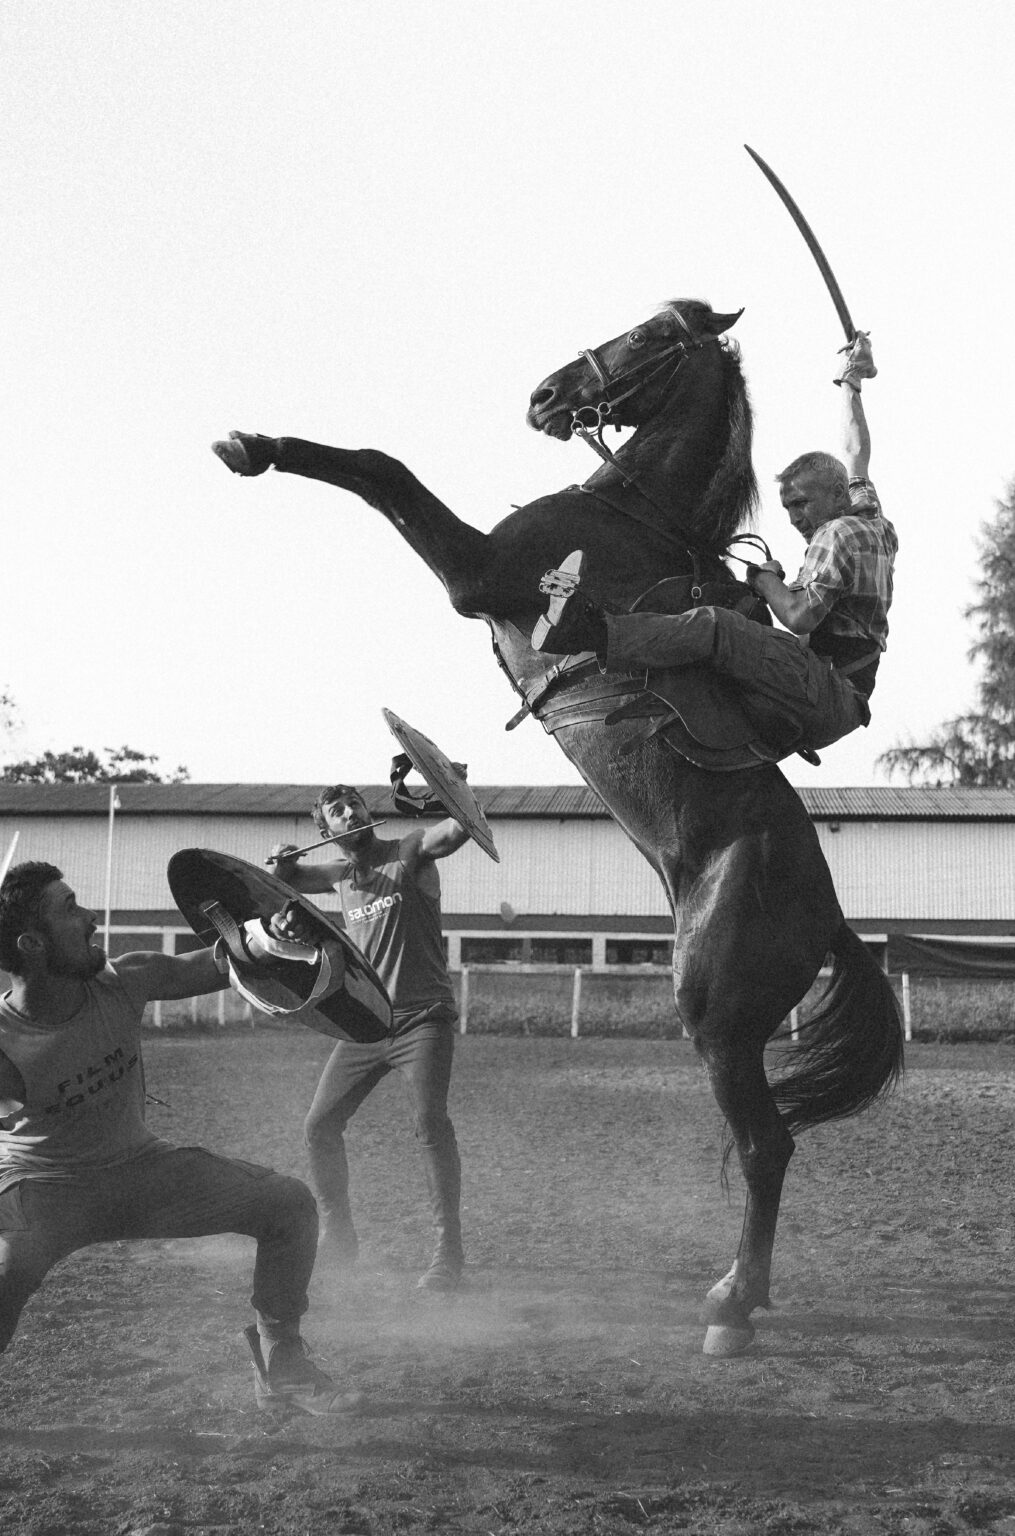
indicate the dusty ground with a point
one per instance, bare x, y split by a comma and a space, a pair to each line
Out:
565, 1391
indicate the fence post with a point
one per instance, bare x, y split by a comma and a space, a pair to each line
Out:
220, 1007
576, 1002
463, 1004
907, 1008
193, 1011
794, 1023
157, 1011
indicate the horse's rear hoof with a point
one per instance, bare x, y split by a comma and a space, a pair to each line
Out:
725, 1342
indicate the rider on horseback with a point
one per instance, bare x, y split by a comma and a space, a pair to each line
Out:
820, 674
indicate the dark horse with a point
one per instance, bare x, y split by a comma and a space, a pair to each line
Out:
754, 910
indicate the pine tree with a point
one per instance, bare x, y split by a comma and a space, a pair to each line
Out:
978, 749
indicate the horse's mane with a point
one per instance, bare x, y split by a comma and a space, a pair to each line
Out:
731, 498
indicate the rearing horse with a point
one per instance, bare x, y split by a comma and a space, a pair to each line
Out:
754, 910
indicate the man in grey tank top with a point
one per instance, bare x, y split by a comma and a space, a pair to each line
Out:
78, 1165
390, 896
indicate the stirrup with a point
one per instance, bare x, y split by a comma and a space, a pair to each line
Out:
565, 580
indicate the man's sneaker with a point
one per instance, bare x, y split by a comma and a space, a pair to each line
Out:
289, 1380
572, 621
246, 453
444, 1274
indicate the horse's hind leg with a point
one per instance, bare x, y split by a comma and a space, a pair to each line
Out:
764, 1148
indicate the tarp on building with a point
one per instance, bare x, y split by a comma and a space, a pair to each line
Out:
934, 955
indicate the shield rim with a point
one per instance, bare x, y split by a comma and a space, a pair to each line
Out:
469, 813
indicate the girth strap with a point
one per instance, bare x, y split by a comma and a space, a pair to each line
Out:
533, 693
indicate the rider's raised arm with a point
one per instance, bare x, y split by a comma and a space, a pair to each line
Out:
856, 442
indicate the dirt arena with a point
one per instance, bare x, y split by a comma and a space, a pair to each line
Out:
565, 1390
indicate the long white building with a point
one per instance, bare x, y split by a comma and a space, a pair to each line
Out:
569, 887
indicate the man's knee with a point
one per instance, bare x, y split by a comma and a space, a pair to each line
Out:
435, 1132
324, 1129
290, 1199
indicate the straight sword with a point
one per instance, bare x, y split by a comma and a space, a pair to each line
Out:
8, 857
275, 858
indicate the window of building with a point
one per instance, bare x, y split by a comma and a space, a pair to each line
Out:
186, 943
124, 943
639, 951
562, 951
491, 951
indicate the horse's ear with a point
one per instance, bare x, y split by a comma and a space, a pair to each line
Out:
716, 325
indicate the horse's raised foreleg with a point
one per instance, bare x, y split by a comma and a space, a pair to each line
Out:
764, 1148
455, 552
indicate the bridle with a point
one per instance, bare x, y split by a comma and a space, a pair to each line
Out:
628, 382
634, 378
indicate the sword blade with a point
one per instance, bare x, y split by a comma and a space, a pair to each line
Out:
841, 307
9, 857
275, 858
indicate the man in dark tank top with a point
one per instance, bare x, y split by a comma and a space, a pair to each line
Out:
389, 891
79, 1165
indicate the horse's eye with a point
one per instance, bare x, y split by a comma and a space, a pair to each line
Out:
636, 339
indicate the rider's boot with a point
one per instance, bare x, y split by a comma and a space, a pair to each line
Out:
573, 622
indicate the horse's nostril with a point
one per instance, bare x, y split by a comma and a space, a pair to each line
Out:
541, 397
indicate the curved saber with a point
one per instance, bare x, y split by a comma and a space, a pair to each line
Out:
841, 307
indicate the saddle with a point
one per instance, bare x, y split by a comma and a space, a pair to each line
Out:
704, 717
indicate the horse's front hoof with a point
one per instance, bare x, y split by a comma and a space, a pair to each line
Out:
726, 1342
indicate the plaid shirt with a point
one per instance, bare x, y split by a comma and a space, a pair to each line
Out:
847, 570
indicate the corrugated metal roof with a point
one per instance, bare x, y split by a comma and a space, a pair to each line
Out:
864, 802
876, 802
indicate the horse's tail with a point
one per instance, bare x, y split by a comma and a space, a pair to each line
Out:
849, 1053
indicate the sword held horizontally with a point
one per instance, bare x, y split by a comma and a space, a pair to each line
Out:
295, 853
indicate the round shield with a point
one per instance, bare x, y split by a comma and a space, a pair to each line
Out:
445, 780
355, 1005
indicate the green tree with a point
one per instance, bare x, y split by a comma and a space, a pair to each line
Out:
978, 749
114, 765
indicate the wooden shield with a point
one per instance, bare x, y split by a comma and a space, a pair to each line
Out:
359, 1009
445, 780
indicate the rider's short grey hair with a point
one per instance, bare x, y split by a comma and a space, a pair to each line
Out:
828, 470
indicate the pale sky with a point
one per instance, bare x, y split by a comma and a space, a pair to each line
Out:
381, 225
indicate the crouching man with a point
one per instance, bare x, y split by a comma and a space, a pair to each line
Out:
78, 1165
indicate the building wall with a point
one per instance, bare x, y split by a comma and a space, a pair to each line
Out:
923, 871
572, 867
569, 874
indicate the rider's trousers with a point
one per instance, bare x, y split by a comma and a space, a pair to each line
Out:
779, 666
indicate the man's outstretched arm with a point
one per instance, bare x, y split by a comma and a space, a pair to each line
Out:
856, 442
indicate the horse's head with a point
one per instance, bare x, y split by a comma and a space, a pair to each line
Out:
689, 460
624, 382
